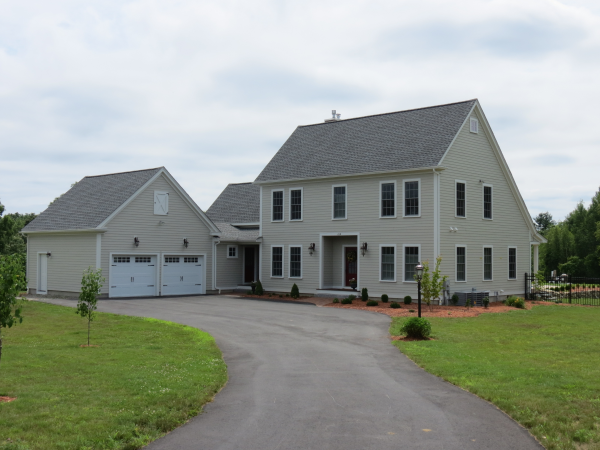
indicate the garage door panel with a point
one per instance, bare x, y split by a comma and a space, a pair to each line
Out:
182, 275
133, 276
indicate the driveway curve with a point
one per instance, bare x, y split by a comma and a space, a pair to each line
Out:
304, 377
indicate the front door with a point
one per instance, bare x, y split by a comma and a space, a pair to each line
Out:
351, 264
249, 265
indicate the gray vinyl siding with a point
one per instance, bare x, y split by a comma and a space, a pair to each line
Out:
229, 270
471, 158
138, 219
71, 254
363, 208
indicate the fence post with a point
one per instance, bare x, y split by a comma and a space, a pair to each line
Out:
570, 288
526, 290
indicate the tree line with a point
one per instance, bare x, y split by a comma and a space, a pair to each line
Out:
573, 244
11, 240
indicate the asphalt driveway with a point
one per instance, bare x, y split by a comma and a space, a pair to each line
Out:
304, 377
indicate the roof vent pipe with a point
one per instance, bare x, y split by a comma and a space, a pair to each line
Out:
334, 116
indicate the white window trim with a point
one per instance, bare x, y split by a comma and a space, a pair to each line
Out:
236, 252
395, 262
483, 263
167, 205
404, 260
282, 261
475, 121
290, 262
456, 264
407, 180
301, 204
381, 183
282, 206
516, 263
483, 186
333, 204
456, 199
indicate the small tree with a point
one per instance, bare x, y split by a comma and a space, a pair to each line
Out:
295, 291
12, 281
91, 283
364, 294
432, 283
259, 288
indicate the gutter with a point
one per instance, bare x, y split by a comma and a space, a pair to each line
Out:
80, 230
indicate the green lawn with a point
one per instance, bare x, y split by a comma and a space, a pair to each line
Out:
146, 378
541, 366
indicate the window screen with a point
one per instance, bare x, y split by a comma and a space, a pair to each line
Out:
296, 204
277, 262
339, 202
461, 264
411, 259
461, 210
487, 202
295, 262
387, 200
411, 198
388, 260
487, 264
512, 263
277, 205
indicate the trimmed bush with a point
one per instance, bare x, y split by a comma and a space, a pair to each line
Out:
384, 298
295, 293
468, 303
249, 293
372, 303
259, 289
395, 305
336, 300
454, 300
411, 310
407, 300
519, 303
510, 301
364, 294
352, 296
486, 302
416, 328
346, 301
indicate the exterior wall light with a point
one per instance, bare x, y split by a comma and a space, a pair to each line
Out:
185, 242
136, 241
363, 248
49, 254
311, 249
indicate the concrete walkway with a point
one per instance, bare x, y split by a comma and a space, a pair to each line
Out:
304, 377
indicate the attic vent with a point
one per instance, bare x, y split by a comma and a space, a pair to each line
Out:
474, 125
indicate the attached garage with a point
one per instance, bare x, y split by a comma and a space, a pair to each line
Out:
182, 275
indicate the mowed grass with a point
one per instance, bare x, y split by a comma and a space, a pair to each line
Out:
542, 367
145, 378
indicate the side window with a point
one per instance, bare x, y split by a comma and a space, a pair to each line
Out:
388, 263
487, 202
411, 198
295, 261
339, 202
232, 251
487, 264
512, 263
411, 259
277, 206
161, 203
461, 263
461, 199
277, 261
295, 204
388, 199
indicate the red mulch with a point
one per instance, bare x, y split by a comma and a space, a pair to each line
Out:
7, 399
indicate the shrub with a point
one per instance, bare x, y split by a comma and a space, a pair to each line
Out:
411, 310
287, 295
416, 327
486, 302
454, 300
336, 300
347, 301
384, 298
372, 303
259, 288
407, 300
468, 303
280, 295
519, 303
249, 292
352, 296
510, 301
395, 305
295, 293
364, 294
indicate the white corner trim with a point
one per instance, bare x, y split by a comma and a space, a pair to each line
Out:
98, 251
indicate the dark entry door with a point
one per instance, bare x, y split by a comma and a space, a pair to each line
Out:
249, 265
351, 261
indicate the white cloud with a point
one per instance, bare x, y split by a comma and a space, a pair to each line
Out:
212, 89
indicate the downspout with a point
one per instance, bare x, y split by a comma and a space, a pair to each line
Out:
214, 264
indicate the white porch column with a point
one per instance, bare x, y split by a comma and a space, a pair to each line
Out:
536, 258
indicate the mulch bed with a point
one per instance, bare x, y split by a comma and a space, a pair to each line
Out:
4, 399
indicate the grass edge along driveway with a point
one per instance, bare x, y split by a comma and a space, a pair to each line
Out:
542, 367
146, 378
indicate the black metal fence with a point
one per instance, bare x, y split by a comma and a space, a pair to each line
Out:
563, 289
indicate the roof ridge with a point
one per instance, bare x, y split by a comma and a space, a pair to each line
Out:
120, 173
235, 184
389, 113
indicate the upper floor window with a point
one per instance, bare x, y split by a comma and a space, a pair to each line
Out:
411, 259
487, 264
277, 206
277, 261
512, 263
388, 199
461, 199
339, 202
295, 204
487, 202
461, 263
411, 198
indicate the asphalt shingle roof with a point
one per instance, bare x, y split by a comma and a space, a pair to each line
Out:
90, 201
231, 233
238, 203
380, 143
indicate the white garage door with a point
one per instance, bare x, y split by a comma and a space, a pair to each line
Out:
182, 275
133, 276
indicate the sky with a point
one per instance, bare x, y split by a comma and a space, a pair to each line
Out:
212, 89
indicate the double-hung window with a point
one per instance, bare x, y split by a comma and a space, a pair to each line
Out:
487, 264
388, 263
411, 259
512, 263
487, 202
232, 251
295, 204
295, 261
339, 202
461, 263
388, 199
411, 198
277, 261
461, 199
277, 206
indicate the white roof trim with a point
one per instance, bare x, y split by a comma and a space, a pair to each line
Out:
77, 230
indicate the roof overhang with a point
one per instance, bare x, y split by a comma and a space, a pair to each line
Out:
81, 230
